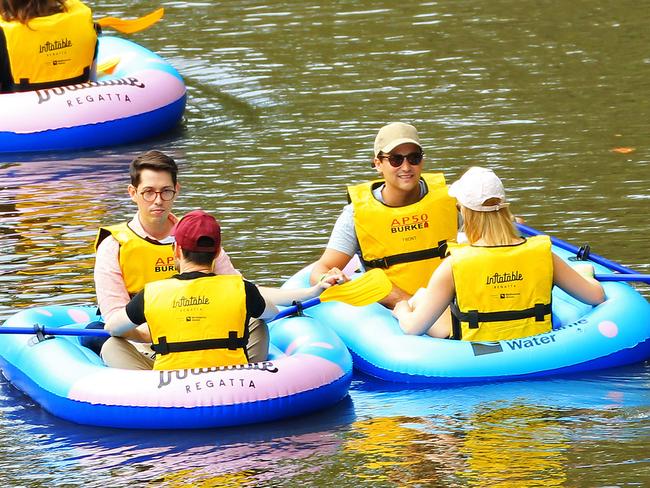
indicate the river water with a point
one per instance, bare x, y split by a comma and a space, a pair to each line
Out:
285, 99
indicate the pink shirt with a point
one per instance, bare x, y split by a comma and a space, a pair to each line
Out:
109, 282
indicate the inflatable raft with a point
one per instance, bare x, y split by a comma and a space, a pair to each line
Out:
308, 369
143, 96
584, 338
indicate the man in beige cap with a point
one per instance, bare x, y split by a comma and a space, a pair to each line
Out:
399, 222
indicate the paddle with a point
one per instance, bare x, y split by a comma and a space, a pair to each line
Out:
641, 278
368, 288
571, 248
108, 66
129, 26
626, 274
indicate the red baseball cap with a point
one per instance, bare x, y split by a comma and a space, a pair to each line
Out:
198, 231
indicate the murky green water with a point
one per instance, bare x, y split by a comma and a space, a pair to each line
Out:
284, 101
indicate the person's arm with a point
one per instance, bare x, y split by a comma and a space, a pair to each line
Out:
331, 262
340, 249
286, 296
109, 283
222, 264
258, 306
128, 321
578, 282
119, 323
420, 314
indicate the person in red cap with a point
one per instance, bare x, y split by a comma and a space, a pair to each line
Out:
499, 286
399, 222
131, 254
196, 318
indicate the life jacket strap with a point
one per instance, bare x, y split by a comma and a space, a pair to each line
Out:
474, 317
25, 85
456, 330
408, 257
232, 343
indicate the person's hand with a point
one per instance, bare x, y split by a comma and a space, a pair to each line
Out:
520, 220
333, 277
401, 307
584, 269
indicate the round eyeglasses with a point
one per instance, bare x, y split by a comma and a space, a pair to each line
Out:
165, 195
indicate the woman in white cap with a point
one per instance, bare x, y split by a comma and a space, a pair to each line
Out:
499, 285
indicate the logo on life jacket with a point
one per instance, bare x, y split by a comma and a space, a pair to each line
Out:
54, 46
406, 224
161, 266
504, 278
191, 301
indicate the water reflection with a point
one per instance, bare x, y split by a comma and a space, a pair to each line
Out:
252, 455
516, 445
284, 101
510, 433
48, 209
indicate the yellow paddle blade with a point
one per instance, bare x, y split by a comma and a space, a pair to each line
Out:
129, 26
107, 67
370, 287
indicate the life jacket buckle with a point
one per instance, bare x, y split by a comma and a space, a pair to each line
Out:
232, 340
472, 319
378, 263
442, 249
162, 347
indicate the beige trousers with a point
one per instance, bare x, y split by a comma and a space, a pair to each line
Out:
120, 353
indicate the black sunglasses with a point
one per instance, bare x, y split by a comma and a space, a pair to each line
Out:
396, 160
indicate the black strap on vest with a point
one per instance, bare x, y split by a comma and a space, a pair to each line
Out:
408, 257
456, 330
232, 343
474, 317
25, 85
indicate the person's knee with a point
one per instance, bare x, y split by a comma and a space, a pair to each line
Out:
120, 353
112, 348
91, 342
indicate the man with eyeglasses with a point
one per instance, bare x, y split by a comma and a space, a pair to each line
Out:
130, 255
399, 223
196, 318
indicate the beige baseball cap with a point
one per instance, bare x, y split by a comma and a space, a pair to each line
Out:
477, 186
392, 135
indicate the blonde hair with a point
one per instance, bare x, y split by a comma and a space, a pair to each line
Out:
495, 228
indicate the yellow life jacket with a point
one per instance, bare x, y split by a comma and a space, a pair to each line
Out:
53, 50
408, 242
502, 292
197, 323
141, 260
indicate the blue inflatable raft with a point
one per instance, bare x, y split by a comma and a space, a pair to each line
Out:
140, 96
308, 369
585, 338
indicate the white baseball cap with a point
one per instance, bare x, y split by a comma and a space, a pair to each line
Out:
477, 186
392, 135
